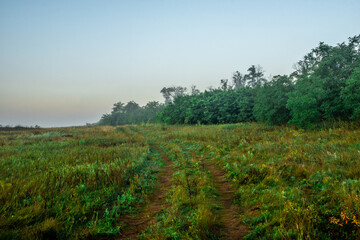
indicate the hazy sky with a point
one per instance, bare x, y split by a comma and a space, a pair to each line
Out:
66, 62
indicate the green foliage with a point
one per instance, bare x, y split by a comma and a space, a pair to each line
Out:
321, 77
304, 103
131, 113
271, 100
255, 77
351, 94
324, 88
211, 107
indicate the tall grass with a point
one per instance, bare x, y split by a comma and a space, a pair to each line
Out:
293, 183
71, 183
76, 183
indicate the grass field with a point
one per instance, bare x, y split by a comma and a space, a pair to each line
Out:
233, 181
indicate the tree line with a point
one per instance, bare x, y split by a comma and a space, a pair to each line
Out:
325, 86
132, 112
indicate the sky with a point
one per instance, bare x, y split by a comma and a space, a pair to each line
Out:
65, 63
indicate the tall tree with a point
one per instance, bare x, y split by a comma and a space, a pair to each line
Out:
224, 84
167, 93
239, 80
194, 90
118, 107
255, 76
320, 78
179, 91
171, 93
131, 107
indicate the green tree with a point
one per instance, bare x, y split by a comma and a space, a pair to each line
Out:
239, 80
194, 90
151, 110
271, 100
118, 107
321, 76
304, 102
224, 84
255, 76
167, 93
131, 107
211, 107
351, 94
171, 93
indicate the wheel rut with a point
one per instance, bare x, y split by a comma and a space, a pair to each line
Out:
233, 228
136, 224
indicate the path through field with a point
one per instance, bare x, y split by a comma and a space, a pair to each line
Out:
156, 202
233, 228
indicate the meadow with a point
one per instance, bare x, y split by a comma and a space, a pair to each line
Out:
153, 181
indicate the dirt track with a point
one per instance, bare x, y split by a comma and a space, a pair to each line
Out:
155, 204
233, 228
